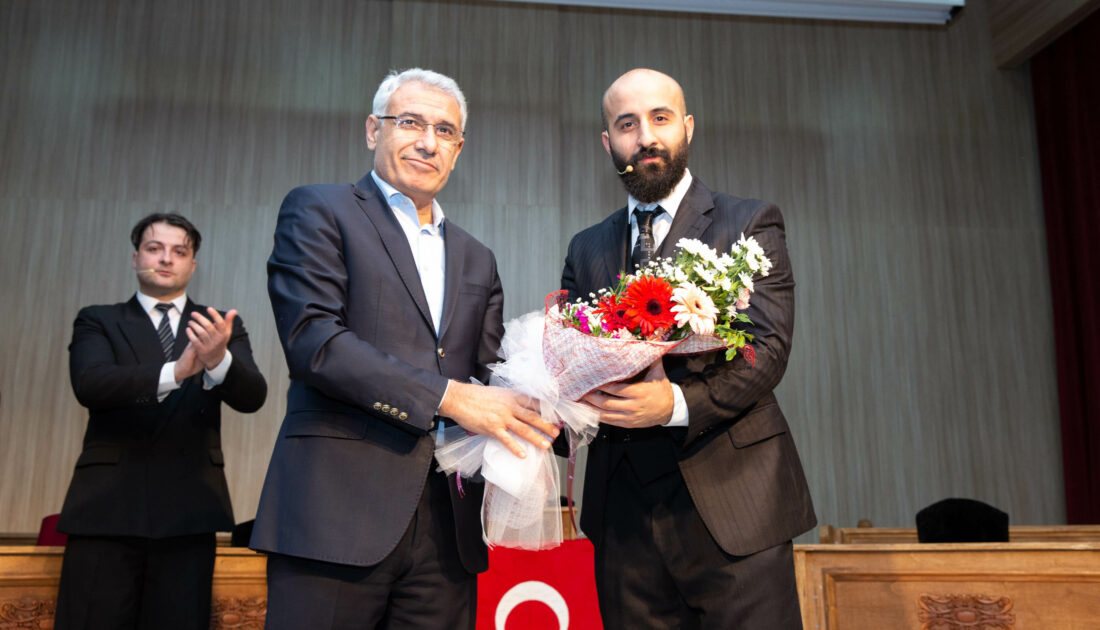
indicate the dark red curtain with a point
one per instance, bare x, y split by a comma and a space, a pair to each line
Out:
1066, 83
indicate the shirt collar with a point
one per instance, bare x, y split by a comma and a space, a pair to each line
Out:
149, 303
671, 203
400, 202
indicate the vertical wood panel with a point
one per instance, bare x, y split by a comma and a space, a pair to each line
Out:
903, 160
1021, 28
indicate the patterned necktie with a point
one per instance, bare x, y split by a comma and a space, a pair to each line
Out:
164, 330
645, 247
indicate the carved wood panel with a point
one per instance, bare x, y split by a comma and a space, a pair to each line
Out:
238, 613
27, 613
960, 612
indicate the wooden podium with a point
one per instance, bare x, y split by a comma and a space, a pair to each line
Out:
991, 586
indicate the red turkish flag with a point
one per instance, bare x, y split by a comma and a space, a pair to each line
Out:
539, 590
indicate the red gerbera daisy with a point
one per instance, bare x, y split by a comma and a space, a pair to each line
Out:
612, 314
648, 302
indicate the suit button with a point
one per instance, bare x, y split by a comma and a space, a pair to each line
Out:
385, 408
403, 416
377, 406
431, 425
394, 412
441, 353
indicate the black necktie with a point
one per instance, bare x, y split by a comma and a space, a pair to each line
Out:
164, 330
645, 247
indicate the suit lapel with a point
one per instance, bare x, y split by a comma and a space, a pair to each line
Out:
691, 218
181, 335
378, 211
616, 247
137, 328
454, 248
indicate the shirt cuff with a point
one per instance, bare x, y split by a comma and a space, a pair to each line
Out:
216, 376
439, 430
679, 408
445, 390
167, 383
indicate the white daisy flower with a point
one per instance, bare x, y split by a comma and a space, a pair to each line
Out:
746, 280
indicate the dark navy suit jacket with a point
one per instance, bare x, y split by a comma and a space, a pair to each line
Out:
368, 371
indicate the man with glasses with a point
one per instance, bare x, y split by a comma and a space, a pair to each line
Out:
385, 311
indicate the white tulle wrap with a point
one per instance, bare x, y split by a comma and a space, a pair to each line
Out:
556, 365
521, 508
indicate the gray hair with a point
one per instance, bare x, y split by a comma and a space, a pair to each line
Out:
430, 78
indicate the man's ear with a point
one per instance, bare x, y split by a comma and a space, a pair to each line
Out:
606, 142
133, 261
457, 151
372, 125
689, 124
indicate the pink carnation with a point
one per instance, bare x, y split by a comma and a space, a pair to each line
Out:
742, 298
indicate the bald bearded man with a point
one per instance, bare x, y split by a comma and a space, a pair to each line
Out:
693, 489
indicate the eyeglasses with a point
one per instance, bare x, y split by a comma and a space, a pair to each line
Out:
444, 132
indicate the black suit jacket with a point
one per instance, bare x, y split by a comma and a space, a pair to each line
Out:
150, 469
736, 456
368, 372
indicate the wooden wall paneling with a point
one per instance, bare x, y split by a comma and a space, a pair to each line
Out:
1021, 28
903, 160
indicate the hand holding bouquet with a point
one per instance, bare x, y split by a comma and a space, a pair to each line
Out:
687, 305
691, 304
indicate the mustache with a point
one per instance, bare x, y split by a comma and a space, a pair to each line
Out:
650, 152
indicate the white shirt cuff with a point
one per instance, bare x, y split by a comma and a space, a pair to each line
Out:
679, 408
216, 376
167, 383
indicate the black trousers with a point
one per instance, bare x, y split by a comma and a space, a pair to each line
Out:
420, 585
658, 567
123, 582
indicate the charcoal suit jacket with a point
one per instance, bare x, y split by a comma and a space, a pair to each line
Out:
148, 468
368, 371
736, 456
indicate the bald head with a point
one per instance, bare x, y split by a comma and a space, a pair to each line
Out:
647, 131
645, 85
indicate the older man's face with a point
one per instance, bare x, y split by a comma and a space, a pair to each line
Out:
417, 164
647, 129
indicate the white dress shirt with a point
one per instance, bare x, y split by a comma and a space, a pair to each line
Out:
427, 244
661, 226
167, 383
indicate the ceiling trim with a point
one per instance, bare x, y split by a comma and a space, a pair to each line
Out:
907, 11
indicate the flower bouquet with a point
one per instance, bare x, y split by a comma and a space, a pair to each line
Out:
689, 304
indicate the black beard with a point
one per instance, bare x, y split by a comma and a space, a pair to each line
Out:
649, 183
